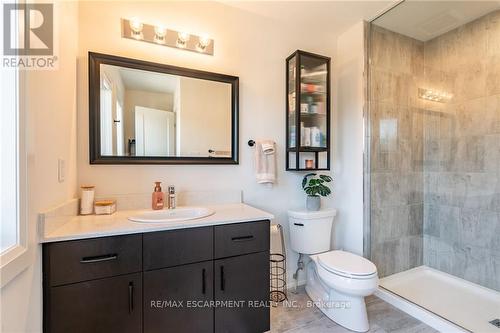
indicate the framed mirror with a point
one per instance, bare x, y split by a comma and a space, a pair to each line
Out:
148, 113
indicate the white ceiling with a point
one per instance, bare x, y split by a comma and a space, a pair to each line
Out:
336, 16
425, 20
134, 79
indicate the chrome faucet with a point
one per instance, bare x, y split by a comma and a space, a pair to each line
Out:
171, 197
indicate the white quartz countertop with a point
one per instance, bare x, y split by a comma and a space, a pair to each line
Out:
62, 228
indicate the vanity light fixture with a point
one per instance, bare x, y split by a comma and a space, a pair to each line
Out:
160, 35
182, 39
136, 28
434, 95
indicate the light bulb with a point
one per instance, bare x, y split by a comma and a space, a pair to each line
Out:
160, 33
136, 27
182, 39
203, 42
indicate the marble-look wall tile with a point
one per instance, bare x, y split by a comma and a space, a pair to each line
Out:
431, 221
491, 114
473, 263
493, 33
493, 75
462, 153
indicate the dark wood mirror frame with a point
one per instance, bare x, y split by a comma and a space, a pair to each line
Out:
96, 59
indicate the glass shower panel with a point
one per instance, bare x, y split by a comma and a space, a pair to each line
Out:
434, 178
397, 182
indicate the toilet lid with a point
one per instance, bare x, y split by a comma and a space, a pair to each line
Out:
345, 263
308, 214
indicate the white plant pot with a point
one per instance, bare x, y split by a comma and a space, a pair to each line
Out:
313, 202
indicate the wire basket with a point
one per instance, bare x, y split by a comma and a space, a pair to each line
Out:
277, 272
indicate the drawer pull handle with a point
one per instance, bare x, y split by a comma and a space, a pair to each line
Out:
299, 224
106, 257
222, 279
130, 297
242, 238
203, 282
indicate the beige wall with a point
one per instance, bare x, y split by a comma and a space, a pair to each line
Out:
348, 132
204, 120
51, 130
247, 45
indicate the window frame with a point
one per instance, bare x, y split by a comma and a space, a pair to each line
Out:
18, 257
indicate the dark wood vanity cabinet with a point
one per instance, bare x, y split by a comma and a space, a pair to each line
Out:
172, 297
209, 279
104, 305
242, 279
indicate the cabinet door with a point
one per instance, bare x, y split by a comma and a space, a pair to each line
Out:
106, 305
177, 299
242, 280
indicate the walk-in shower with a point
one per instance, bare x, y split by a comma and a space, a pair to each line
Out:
434, 157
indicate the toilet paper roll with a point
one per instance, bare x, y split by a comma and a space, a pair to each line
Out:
276, 245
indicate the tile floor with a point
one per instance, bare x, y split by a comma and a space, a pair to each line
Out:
383, 318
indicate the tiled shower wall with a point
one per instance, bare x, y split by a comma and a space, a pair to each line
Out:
396, 120
462, 153
435, 167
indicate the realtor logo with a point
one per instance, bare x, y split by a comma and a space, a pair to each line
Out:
28, 29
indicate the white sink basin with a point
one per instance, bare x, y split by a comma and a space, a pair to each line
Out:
172, 215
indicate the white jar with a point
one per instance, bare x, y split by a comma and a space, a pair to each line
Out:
87, 200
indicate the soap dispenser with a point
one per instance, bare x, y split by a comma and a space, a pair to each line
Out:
158, 197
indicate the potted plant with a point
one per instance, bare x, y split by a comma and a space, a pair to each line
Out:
315, 188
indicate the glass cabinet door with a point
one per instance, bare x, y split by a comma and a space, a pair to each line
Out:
313, 102
308, 112
292, 103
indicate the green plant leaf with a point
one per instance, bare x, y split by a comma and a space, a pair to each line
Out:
315, 185
304, 180
326, 178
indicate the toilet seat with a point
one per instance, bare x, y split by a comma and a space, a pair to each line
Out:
347, 265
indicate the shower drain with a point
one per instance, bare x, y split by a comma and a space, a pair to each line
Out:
495, 322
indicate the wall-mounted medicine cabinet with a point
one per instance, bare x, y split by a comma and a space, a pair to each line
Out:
307, 112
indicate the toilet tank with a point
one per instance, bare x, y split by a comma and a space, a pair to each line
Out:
310, 232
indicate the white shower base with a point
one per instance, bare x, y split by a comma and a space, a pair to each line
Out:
463, 303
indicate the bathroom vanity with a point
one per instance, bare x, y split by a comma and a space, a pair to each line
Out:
204, 275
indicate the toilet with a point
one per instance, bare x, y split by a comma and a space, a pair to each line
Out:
337, 281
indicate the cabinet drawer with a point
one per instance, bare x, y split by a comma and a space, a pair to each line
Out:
241, 238
88, 259
177, 247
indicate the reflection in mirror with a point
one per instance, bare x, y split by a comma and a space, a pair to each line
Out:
151, 114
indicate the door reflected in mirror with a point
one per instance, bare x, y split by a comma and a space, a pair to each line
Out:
151, 114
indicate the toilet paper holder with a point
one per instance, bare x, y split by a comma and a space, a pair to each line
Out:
277, 273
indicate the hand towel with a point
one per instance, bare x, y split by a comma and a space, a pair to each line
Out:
265, 162
268, 147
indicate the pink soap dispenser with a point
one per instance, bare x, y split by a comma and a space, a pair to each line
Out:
158, 197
